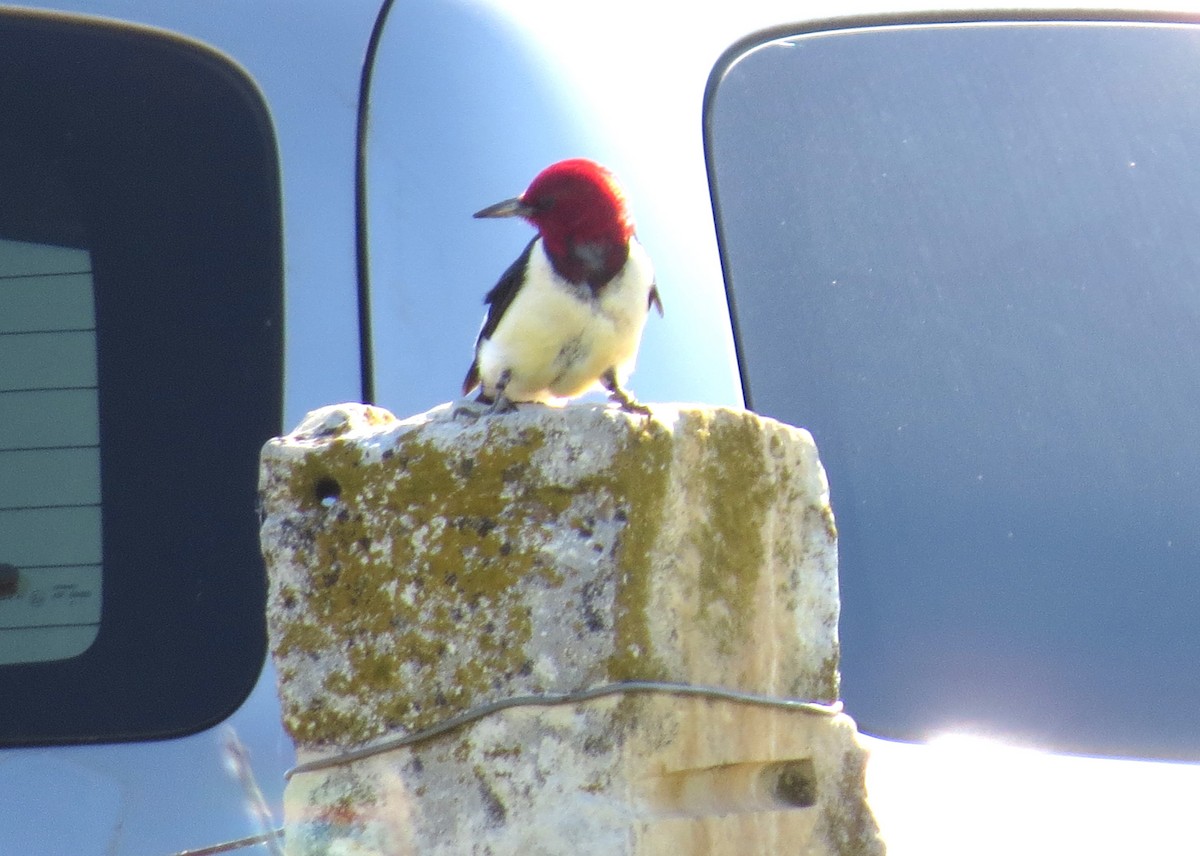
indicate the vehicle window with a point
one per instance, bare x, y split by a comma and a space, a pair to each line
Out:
49, 453
140, 373
965, 257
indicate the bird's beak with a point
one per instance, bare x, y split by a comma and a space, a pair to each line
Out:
508, 208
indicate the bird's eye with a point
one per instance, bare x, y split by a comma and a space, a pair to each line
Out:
544, 203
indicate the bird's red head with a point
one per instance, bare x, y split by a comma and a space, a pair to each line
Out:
580, 212
578, 198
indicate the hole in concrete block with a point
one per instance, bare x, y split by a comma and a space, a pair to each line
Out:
327, 491
731, 789
792, 783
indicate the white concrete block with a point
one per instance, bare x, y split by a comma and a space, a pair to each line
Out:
422, 568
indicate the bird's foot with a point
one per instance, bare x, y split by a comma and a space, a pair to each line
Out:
479, 408
488, 405
501, 404
615, 393
468, 410
484, 405
631, 405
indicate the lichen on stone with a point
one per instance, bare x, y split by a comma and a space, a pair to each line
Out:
644, 479
740, 492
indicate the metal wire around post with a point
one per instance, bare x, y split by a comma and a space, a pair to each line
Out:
550, 699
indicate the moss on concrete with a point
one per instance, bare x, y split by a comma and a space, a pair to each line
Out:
641, 477
433, 522
740, 493
420, 551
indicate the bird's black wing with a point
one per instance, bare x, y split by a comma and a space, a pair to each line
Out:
502, 293
498, 300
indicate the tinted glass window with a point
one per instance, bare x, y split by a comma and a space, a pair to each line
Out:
966, 258
50, 565
140, 373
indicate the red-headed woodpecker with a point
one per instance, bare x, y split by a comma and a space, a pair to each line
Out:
570, 310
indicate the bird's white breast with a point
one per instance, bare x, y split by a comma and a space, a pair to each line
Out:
557, 338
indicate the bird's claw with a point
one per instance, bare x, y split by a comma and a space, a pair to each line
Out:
468, 411
623, 399
484, 405
502, 404
632, 406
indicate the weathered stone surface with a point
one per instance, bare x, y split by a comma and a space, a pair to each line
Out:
422, 567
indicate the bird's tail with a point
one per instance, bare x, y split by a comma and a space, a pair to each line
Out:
472, 379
